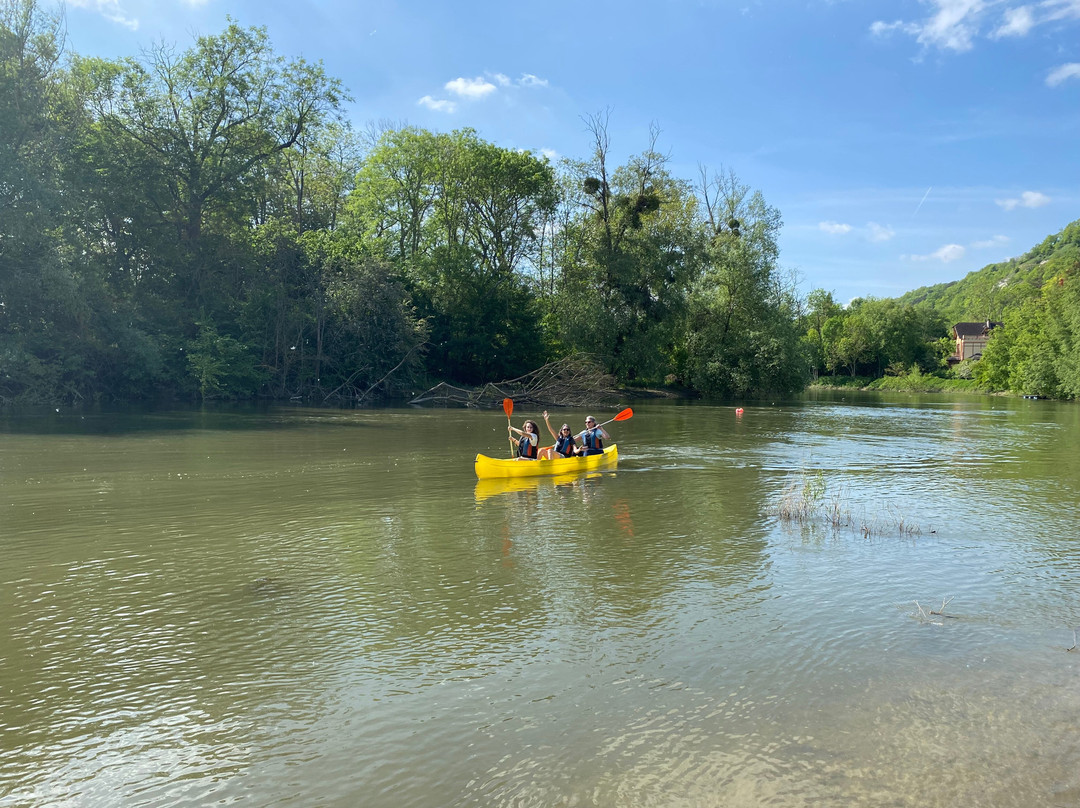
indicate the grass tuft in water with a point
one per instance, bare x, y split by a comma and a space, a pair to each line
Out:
806, 499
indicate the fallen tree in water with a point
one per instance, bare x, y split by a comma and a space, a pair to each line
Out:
574, 381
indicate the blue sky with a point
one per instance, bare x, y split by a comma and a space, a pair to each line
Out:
905, 143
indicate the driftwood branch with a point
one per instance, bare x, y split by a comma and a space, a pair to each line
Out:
574, 381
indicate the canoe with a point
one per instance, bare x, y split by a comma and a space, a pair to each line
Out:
491, 467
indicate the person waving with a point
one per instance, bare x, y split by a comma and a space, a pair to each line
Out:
565, 445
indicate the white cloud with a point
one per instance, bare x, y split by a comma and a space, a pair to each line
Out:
529, 80
502, 79
1028, 199
1063, 73
834, 228
1061, 9
878, 232
1018, 22
550, 154
950, 252
470, 88
994, 241
110, 10
953, 26
883, 29
437, 104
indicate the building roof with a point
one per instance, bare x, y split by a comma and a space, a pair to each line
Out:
975, 329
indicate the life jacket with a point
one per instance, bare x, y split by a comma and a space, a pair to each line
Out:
564, 445
527, 448
592, 441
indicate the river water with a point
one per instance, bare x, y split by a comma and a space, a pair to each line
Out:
306, 607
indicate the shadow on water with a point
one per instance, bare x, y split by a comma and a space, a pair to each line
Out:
148, 418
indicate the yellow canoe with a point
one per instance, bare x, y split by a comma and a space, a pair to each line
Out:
491, 467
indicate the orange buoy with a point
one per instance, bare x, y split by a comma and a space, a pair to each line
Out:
738, 410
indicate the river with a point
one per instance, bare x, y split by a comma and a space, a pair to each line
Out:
311, 607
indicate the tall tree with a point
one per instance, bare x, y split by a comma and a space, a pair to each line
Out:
459, 219
203, 123
46, 317
742, 338
630, 256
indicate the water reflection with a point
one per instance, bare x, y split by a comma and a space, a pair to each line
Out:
327, 614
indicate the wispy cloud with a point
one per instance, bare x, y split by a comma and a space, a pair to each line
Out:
953, 26
437, 104
1063, 73
956, 24
946, 254
878, 232
1061, 9
1018, 22
1028, 199
834, 228
993, 241
550, 154
110, 10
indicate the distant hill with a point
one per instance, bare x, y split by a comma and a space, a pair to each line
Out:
987, 293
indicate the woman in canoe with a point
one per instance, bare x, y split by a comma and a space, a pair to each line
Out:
565, 446
528, 445
592, 438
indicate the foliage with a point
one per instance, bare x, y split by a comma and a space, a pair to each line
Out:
221, 366
458, 218
991, 292
632, 250
912, 382
202, 222
742, 338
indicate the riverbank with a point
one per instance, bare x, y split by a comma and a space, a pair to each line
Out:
912, 383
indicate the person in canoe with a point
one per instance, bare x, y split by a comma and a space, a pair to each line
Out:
528, 445
592, 438
565, 446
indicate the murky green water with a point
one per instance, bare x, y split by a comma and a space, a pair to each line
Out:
323, 608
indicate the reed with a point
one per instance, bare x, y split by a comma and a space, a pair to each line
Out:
805, 497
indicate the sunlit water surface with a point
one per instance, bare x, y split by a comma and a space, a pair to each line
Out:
317, 607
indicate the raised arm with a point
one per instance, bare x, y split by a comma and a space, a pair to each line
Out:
547, 423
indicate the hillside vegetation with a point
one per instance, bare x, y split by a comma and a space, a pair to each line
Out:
903, 343
991, 292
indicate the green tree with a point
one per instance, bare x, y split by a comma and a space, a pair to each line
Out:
820, 306
630, 256
742, 337
49, 348
201, 125
459, 218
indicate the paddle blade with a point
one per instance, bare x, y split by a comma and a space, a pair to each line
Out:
624, 415
508, 406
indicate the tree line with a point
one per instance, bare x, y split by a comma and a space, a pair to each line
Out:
204, 222
1034, 302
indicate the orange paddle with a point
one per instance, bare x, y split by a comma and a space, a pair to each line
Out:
508, 408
